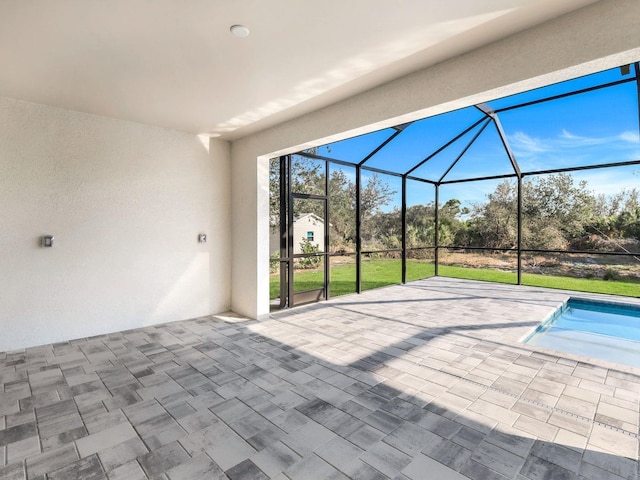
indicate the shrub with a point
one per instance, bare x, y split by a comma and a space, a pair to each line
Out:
611, 274
310, 262
274, 262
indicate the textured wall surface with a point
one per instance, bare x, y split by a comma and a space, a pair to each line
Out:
125, 203
603, 35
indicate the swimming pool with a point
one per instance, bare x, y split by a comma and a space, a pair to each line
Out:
608, 331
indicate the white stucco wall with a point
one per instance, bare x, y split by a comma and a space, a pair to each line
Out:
603, 35
125, 203
304, 224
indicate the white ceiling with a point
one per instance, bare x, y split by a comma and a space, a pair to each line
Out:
173, 63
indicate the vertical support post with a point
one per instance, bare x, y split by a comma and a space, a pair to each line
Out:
327, 258
290, 233
283, 232
358, 232
516, 168
637, 69
436, 240
519, 230
404, 229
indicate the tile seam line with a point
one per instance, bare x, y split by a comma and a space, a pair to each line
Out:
488, 387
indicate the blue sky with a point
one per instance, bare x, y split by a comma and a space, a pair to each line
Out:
597, 127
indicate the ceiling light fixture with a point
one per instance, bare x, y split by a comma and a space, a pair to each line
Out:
240, 31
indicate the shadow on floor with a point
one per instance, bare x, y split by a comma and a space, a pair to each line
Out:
222, 398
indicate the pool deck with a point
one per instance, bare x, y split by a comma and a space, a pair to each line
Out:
424, 380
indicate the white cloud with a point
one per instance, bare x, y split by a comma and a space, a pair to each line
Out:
568, 140
570, 136
628, 136
609, 181
567, 149
524, 144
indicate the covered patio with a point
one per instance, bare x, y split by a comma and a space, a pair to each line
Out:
136, 335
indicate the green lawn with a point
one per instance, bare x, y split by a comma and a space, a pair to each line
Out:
381, 272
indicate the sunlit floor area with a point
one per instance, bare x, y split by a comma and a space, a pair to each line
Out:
416, 381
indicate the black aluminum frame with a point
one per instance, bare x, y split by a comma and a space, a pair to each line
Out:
490, 116
287, 257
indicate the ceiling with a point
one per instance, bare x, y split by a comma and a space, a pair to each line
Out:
174, 63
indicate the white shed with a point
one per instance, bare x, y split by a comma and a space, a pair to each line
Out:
308, 226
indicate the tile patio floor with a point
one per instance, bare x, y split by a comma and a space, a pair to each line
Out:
421, 381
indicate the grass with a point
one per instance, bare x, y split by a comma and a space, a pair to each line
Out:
590, 285
381, 272
627, 289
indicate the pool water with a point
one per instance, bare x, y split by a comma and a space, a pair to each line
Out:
608, 331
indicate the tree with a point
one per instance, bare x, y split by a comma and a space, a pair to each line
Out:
555, 212
377, 228
557, 201
342, 212
617, 216
558, 213
274, 192
421, 225
494, 224
628, 221
375, 194
308, 176
452, 231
